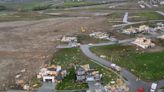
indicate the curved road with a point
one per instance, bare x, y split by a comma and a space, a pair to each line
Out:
133, 84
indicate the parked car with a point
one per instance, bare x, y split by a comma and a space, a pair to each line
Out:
140, 89
90, 44
153, 87
115, 67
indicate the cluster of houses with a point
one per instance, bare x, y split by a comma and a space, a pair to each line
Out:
144, 29
100, 35
133, 30
52, 74
85, 74
143, 42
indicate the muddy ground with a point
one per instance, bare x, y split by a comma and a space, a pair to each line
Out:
30, 44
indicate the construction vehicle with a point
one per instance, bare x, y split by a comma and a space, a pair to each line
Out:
82, 29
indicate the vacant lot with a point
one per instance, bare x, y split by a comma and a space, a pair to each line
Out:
29, 44
146, 65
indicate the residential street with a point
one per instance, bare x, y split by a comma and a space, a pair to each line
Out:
132, 79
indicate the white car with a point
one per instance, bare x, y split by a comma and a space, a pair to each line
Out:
153, 87
90, 44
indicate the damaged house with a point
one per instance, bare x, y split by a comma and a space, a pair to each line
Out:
143, 43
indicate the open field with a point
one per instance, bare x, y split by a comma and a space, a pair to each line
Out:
146, 65
86, 39
16, 16
67, 58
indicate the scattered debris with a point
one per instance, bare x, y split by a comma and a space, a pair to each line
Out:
100, 35
102, 56
141, 29
26, 87
52, 74
161, 37
17, 76
68, 39
144, 43
84, 73
116, 86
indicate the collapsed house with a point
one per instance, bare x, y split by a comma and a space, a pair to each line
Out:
130, 30
116, 86
100, 35
84, 74
160, 27
161, 37
143, 28
140, 29
52, 74
143, 43
68, 39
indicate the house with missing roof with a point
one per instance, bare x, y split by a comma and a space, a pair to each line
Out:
85, 74
52, 74
143, 43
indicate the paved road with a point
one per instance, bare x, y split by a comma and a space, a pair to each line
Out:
95, 87
132, 23
148, 5
160, 12
133, 84
47, 87
125, 19
160, 84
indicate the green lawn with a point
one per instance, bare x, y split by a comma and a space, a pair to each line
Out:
70, 78
67, 57
85, 39
146, 16
148, 66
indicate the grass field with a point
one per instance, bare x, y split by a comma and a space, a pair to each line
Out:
148, 66
145, 16
67, 57
85, 39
